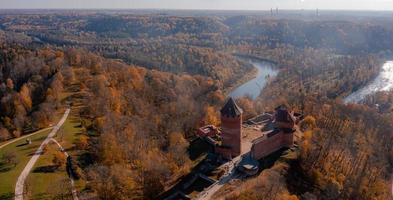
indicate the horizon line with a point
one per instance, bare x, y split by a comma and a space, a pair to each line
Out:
207, 9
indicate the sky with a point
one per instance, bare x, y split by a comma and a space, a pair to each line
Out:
200, 4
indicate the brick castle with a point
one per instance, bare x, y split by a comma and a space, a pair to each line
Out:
259, 136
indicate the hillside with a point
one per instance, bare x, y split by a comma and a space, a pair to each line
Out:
140, 84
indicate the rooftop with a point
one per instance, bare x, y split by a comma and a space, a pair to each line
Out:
231, 109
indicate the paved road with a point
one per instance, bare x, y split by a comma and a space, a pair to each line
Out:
25, 136
74, 193
22, 177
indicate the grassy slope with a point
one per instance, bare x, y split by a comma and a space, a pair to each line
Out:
39, 181
8, 176
42, 182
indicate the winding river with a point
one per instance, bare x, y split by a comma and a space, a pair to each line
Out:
383, 82
253, 88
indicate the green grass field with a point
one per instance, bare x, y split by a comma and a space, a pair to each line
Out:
43, 177
23, 152
41, 180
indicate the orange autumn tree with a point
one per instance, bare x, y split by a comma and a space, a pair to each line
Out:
211, 116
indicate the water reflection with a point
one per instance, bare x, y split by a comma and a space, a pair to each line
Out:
383, 82
254, 87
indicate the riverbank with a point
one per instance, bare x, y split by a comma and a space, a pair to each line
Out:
382, 82
253, 87
254, 57
253, 84
245, 78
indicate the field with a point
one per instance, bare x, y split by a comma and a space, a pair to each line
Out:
10, 173
44, 176
45, 180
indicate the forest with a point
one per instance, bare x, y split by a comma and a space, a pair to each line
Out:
145, 83
30, 89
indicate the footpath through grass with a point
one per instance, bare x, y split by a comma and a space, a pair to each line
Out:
41, 180
45, 180
9, 173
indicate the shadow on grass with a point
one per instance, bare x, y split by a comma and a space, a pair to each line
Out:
7, 196
45, 169
5, 168
42, 195
21, 145
36, 153
75, 119
31, 147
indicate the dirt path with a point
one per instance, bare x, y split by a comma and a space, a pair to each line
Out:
22, 177
25, 136
74, 193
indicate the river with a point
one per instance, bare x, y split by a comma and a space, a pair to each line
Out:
383, 82
253, 88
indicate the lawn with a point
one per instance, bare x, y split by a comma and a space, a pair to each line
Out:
43, 176
23, 152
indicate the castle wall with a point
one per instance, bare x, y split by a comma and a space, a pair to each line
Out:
288, 125
264, 147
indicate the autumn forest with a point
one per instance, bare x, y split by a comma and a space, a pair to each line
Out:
140, 84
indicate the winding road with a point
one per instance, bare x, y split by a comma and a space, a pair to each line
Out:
22, 177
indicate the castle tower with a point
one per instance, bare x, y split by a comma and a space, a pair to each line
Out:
231, 125
283, 119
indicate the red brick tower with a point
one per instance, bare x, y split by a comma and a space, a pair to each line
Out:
231, 133
283, 119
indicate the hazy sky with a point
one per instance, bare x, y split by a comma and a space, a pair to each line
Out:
204, 4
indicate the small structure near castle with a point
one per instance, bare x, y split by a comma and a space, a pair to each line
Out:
256, 138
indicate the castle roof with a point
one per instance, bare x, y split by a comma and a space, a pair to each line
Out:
281, 107
283, 114
231, 109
